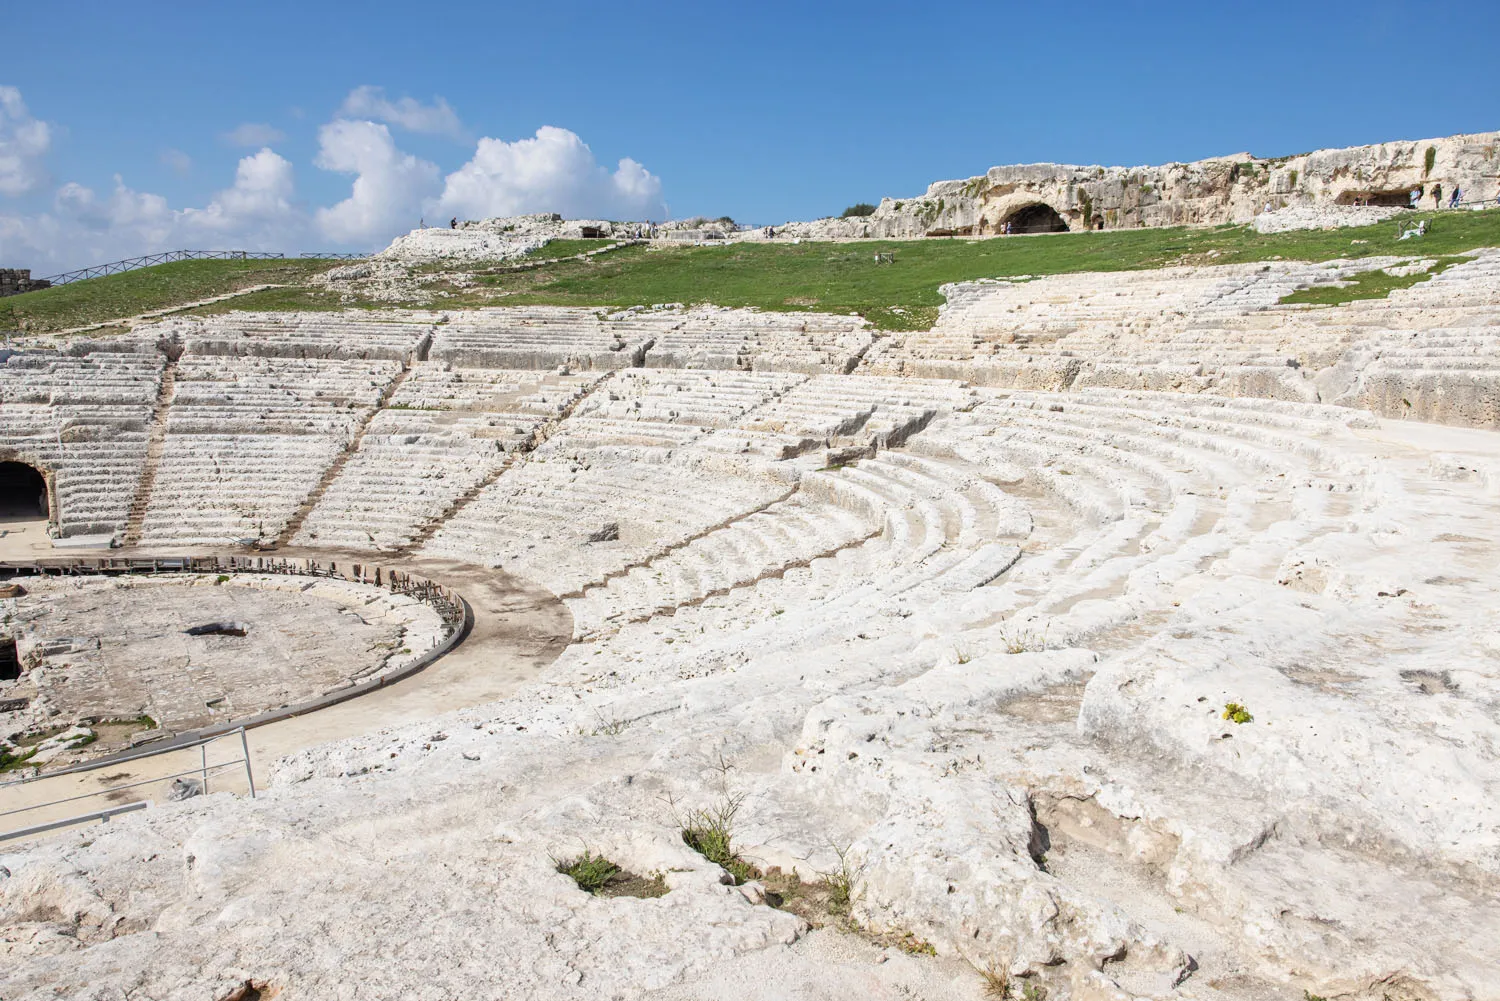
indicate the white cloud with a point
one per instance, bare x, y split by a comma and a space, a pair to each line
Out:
437, 118
84, 227
254, 134
24, 144
553, 172
388, 191
257, 207
179, 161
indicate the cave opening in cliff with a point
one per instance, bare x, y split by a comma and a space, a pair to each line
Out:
1389, 199
1035, 218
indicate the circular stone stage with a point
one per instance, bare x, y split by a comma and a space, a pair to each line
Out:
143, 657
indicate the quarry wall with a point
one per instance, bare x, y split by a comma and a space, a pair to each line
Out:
1226, 189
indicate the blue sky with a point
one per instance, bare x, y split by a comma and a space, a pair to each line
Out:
764, 112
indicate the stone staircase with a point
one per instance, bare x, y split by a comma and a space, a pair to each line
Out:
294, 524
156, 441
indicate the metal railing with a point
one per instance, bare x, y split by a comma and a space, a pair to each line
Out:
201, 772
165, 257
168, 256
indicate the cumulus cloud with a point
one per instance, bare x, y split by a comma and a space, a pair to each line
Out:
389, 188
257, 207
84, 227
437, 118
553, 172
254, 134
24, 144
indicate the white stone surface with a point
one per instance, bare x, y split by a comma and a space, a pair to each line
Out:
984, 633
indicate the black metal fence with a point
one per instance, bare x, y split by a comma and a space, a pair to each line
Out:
168, 256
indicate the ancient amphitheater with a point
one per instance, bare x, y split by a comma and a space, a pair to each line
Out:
1123, 635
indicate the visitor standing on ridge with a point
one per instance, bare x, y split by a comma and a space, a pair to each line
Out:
1416, 196
1437, 196
453, 223
1456, 197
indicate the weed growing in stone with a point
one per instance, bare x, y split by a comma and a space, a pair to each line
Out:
1236, 713
709, 831
840, 879
591, 872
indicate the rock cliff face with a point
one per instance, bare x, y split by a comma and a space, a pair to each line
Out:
1042, 197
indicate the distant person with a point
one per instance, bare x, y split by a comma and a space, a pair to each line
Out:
453, 223
1456, 197
1437, 196
1416, 196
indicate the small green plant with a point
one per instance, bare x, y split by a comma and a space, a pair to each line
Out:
1429, 160
15, 759
962, 654
840, 879
1292, 178
1033, 992
858, 210
913, 946
709, 831
591, 872
1310, 996
1236, 713
223, 578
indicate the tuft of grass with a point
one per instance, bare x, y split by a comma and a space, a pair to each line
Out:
223, 578
858, 210
709, 831
996, 981
600, 877
1236, 713
591, 872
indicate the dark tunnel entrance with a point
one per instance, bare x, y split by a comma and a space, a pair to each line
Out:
23, 492
1036, 218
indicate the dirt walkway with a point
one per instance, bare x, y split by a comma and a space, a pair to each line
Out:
157, 313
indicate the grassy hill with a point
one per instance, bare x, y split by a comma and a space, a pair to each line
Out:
783, 276
131, 293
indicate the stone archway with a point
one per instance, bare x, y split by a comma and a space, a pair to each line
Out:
1035, 217
23, 492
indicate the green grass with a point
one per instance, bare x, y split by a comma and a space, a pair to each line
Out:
843, 278
564, 248
591, 872
1367, 285
781, 276
11, 760
134, 292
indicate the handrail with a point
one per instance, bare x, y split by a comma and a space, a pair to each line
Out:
201, 770
165, 257
100, 815
168, 256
